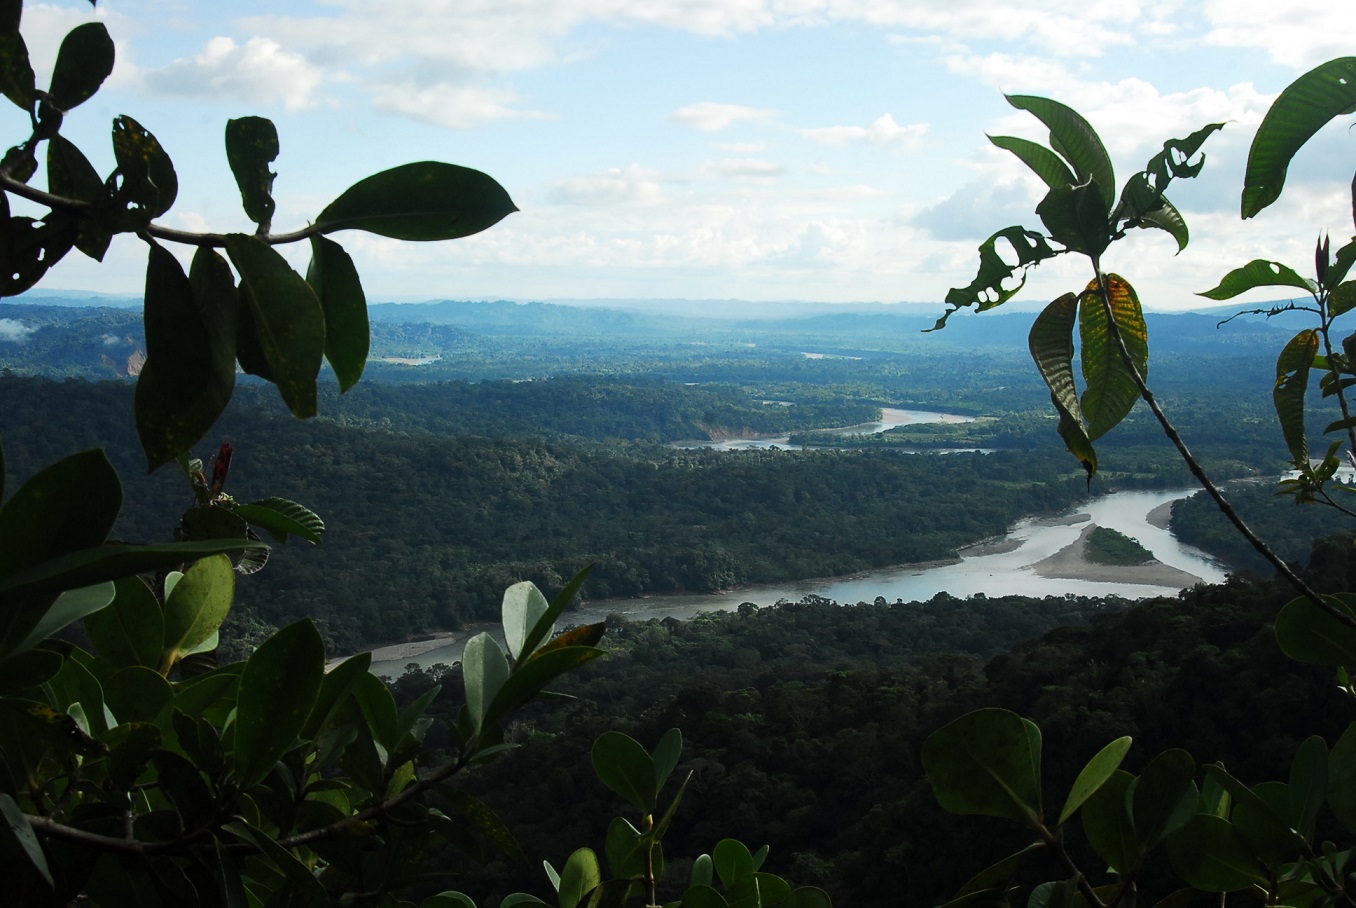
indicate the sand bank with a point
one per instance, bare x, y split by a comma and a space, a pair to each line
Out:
1070, 563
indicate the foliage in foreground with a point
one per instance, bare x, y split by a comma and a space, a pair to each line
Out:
1283, 842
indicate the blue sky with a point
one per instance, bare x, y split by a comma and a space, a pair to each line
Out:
818, 150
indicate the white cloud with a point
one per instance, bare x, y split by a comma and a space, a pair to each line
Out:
1297, 33
884, 132
259, 71
711, 116
618, 186
453, 106
11, 329
742, 168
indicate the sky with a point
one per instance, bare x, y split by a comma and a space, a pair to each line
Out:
763, 150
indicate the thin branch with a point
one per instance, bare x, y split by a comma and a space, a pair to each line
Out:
76, 206
1198, 471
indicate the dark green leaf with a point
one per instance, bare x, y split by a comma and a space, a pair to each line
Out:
28, 670
546, 624
626, 849
734, 862
339, 682
278, 689
189, 374
1051, 345
1310, 634
1111, 387
985, 763
1257, 273
147, 180
1168, 218
1308, 784
334, 278
70, 505
1075, 139
999, 877
1164, 798
251, 145
1043, 162
1094, 775
20, 831
1077, 217
1292, 381
1209, 854
486, 821
429, 200
130, 631
83, 63
624, 766
282, 518
987, 290
666, 754
304, 889
378, 708
16, 75
1342, 778
1107, 822
807, 897
287, 317
1306, 105
137, 694
72, 176
32, 247
87, 567
69, 608
1342, 299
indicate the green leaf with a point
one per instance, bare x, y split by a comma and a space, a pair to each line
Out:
1094, 775
734, 862
1075, 139
429, 200
1051, 345
16, 75
666, 754
137, 694
1107, 822
1342, 299
251, 145
1210, 854
148, 178
626, 849
1164, 798
1111, 388
546, 624
1257, 273
189, 374
1342, 778
807, 897
1308, 784
71, 175
378, 708
1077, 217
304, 889
21, 832
999, 877
334, 278
131, 630
69, 608
1292, 381
67, 506
87, 567
484, 670
197, 606
1310, 634
1306, 105
282, 518
32, 248
523, 607
1167, 217
28, 670
338, 683
486, 821
580, 876
287, 317
278, 689
1043, 162
986, 762
527, 680
703, 897
83, 63
623, 766
988, 289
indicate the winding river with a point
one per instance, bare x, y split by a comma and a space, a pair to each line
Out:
890, 417
1005, 567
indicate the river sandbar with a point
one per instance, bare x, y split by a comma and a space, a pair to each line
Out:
1160, 516
1071, 563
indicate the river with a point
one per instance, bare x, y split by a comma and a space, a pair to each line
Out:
1003, 568
890, 417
